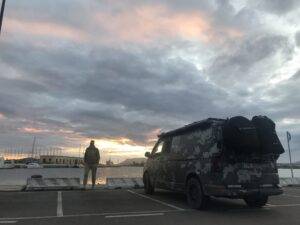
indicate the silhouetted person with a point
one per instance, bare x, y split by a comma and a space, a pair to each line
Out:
91, 161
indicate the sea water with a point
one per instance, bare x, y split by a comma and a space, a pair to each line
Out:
19, 176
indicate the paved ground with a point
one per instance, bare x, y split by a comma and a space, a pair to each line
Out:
133, 207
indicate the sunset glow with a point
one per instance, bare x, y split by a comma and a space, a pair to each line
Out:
157, 22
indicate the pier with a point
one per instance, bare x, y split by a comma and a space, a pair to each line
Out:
131, 206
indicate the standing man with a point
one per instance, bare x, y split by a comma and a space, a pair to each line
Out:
91, 161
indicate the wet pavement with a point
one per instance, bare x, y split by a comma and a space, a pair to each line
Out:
133, 207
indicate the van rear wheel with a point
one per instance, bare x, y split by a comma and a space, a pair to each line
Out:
148, 186
195, 196
256, 201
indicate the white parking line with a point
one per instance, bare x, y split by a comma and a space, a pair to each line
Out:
87, 215
284, 205
59, 210
8, 221
134, 215
294, 196
155, 200
248, 210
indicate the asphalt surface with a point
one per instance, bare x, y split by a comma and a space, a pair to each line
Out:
133, 207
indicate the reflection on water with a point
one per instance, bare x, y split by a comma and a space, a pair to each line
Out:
287, 172
19, 176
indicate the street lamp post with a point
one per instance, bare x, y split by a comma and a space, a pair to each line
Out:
288, 137
2, 13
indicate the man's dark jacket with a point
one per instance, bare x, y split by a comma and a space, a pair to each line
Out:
92, 156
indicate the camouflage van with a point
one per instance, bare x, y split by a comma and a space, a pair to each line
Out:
234, 158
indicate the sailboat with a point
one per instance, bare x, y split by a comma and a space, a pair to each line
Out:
33, 165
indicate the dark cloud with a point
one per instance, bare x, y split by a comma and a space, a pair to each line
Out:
297, 38
286, 95
237, 66
296, 76
278, 6
46, 11
119, 78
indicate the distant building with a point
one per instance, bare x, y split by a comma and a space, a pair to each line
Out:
65, 160
26, 160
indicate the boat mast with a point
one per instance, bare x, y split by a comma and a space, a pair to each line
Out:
33, 146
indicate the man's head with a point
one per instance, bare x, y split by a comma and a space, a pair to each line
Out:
92, 142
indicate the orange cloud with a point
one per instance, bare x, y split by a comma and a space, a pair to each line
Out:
143, 24
152, 136
32, 130
47, 29
149, 23
65, 132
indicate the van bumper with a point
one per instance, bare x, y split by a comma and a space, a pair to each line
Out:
236, 192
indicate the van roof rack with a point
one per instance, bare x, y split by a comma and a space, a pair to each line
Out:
191, 126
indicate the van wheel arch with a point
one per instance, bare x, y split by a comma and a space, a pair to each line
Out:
195, 175
192, 175
195, 192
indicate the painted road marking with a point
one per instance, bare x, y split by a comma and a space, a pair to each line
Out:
59, 210
294, 196
135, 215
89, 214
248, 210
155, 200
285, 205
9, 221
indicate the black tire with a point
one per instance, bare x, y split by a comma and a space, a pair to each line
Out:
36, 176
256, 201
195, 196
148, 186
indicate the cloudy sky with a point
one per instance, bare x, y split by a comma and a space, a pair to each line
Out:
123, 71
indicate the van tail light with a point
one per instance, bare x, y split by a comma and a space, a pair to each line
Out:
216, 165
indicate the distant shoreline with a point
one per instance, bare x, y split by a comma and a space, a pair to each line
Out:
287, 166
23, 165
53, 166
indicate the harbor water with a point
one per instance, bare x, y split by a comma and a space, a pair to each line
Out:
19, 176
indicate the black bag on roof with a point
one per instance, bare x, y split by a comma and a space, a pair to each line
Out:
269, 141
240, 135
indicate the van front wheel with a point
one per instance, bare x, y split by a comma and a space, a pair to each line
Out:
195, 196
256, 201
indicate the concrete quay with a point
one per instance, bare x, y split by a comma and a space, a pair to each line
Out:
131, 206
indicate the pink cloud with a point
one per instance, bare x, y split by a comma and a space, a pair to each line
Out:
143, 24
32, 130
46, 29
150, 23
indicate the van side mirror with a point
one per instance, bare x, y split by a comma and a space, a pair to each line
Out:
147, 154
